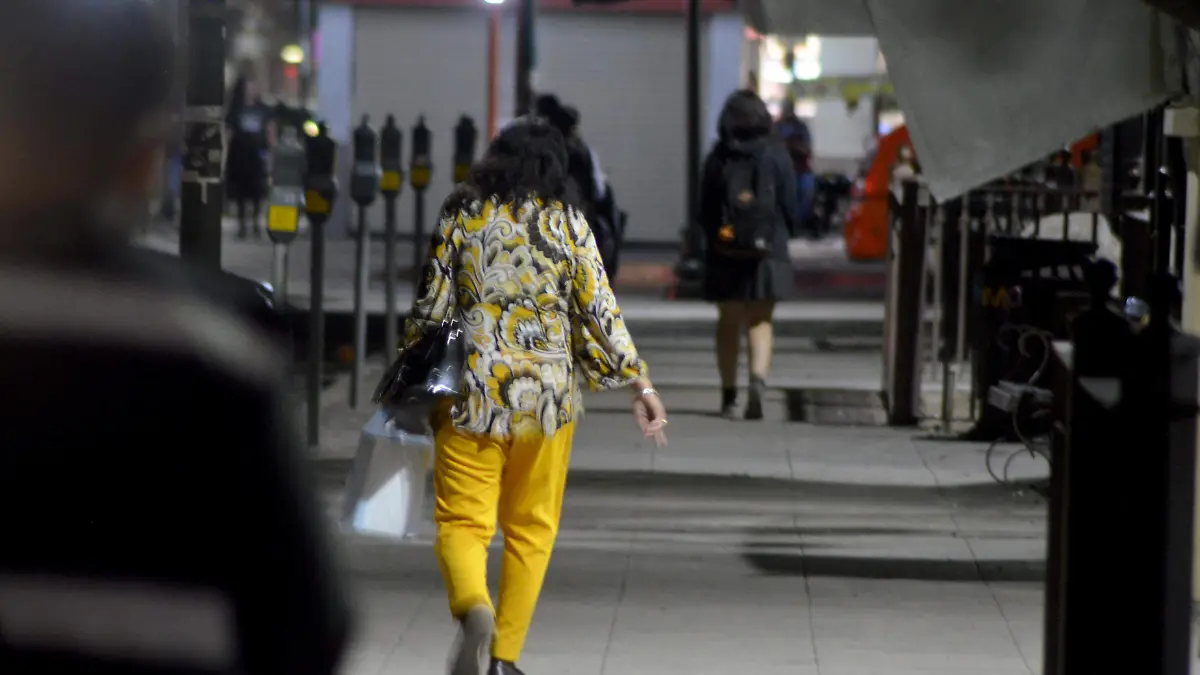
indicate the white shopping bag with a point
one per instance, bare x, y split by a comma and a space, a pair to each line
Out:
386, 490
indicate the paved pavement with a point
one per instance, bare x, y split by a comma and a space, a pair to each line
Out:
769, 547
641, 296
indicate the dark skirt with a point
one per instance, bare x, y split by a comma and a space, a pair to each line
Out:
735, 279
246, 172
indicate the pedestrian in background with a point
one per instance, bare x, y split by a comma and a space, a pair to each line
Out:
251, 126
520, 271
748, 211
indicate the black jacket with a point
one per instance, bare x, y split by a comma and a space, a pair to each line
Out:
736, 279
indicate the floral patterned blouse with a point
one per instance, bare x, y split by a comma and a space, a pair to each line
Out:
528, 287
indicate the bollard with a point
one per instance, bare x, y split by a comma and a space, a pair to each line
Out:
420, 171
364, 187
320, 192
283, 210
391, 145
465, 136
906, 264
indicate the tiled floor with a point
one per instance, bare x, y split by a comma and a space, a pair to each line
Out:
769, 548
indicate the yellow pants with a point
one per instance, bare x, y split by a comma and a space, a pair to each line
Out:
480, 481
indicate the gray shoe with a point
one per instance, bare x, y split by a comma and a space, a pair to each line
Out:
754, 402
472, 650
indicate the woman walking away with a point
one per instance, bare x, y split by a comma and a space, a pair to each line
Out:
252, 135
522, 275
748, 211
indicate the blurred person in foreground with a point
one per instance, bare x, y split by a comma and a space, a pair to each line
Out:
748, 211
521, 273
79, 151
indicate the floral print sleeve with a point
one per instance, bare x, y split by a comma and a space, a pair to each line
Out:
602, 345
435, 301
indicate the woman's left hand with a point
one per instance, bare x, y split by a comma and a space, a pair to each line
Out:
651, 417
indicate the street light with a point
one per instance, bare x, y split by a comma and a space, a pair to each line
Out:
292, 55
494, 2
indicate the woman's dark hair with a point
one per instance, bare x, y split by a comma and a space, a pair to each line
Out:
527, 159
744, 117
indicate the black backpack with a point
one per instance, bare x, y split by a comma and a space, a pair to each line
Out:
750, 208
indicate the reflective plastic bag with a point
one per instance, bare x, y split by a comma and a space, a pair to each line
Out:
385, 494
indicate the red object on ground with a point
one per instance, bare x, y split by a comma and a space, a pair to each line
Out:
866, 227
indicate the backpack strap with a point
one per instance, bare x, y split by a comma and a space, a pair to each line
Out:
764, 177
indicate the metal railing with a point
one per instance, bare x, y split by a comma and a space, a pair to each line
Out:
935, 323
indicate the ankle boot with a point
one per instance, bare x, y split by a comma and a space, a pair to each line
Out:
754, 403
729, 404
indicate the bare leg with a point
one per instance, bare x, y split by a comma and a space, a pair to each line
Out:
729, 345
761, 338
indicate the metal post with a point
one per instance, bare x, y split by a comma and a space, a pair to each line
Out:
907, 267
391, 150
321, 191
279, 275
316, 329
361, 273
365, 185
526, 55
419, 238
304, 19
391, 339
692, 177
202, 193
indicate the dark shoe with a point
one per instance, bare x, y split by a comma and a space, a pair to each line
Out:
241, 233
729, 404
472, 650
754, 403
504, 668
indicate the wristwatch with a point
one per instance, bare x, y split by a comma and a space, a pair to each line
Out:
648, 391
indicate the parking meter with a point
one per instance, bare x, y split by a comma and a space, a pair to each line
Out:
283, 209
320, 184
421, 164
465, 136
391, 152
320, 192
419, 174
364, 177
391, 146
364, 187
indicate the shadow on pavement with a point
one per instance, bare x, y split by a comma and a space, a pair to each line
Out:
718, 485
817, 565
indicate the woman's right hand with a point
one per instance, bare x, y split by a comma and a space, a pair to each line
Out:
650, 414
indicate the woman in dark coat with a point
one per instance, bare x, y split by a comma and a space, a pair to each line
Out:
746, 289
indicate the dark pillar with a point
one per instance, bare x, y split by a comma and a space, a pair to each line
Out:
304, 20
693, 113
202, 194
526, 55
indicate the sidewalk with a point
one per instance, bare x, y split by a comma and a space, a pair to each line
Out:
639, 288
765, 547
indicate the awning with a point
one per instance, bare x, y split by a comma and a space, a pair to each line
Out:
808, 17
985, 93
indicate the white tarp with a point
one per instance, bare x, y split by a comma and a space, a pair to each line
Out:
988, 86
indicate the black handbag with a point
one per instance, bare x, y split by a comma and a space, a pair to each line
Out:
428, 371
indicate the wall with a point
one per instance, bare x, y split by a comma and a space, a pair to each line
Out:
624, 72
840, 133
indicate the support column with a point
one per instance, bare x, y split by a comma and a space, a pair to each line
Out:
1185, 122
526, 56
